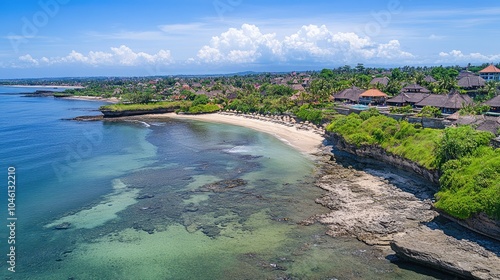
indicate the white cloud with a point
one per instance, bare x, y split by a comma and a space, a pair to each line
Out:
181, 28
435, 37
459, 56
28, 59
121, 56
243, 45
310, 43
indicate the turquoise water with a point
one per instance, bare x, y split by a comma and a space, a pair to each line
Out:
360, 107
164, 200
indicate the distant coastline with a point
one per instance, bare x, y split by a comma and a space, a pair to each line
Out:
45, 86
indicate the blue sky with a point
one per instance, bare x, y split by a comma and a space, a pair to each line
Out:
54, 38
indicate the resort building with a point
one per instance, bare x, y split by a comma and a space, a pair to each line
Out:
448, 103
382, 81
405, 98
410, 95
350, 95
415, 88
471, 82
429, 79
494, 104
490, 73
373, 97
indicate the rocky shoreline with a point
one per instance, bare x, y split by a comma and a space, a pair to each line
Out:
391, 211
395, 214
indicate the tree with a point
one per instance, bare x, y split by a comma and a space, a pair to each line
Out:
141, 97
320, 90
360, 68
200, 99
326, 74
397, 75
460, 142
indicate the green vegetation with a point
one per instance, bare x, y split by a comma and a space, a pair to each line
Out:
470, 181
469, 166
400, 138
203, 109
307, 113
475, 109
150, 106
430, 112
471, 185
460, 142
401, 110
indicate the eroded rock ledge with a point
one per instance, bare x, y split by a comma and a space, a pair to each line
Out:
381, 155
377, 211
368, 207
436, 249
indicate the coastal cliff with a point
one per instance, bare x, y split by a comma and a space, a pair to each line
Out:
127, 113
378, 212
378, 153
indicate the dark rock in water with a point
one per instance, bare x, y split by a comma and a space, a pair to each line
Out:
224, 185
191, 208
87, 118
457, 256
145, 196
211, 231
64, 225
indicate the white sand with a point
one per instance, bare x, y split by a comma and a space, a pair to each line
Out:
305, 141
93, 98
48, 87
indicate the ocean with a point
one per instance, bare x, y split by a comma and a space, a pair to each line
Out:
171, 199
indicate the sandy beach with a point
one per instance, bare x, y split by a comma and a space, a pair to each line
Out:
93, 98
49, 87
306, 141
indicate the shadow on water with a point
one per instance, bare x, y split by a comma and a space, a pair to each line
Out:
434, 273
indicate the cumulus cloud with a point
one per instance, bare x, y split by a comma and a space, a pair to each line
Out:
247, 44
310, 43
459, 56
121, 56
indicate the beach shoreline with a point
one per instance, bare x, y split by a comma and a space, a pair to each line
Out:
46, 86
306, 140
92, 98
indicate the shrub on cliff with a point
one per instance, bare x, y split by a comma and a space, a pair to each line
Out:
460, 142
471, 185
400, 138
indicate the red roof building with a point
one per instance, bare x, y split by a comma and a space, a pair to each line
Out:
490, 73
372, 97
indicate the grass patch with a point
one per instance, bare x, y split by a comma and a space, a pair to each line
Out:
399, 138
147, 107
470, 181
471, 185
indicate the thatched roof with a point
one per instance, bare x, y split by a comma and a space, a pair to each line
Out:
495, 102
454, 100
471, 82
464, 74
373, 93
351, 94
412, 98
383, 81
415, 88
429, 79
